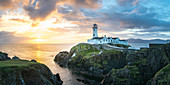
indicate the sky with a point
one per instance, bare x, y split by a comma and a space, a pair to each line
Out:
71, 21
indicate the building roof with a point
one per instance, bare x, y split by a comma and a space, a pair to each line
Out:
122, 40
108, 38
98, 38
115, 38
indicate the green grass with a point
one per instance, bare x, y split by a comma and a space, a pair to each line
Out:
105, 62
163, 76
15, 64
142, 61
81, 47
164, 70
133, 71
88, 53
112, 51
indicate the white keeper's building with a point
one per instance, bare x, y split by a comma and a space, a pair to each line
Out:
104, 40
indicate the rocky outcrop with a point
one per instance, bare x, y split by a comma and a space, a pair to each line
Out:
114, 67
4, 56
146, 63
129, 75
21, 72
93, 62
162, 77
15, 57
62, 58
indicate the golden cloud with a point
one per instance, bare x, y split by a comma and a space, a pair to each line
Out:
20, 20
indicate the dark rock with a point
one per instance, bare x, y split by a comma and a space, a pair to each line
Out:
28, 73
59, 79
15, 57
99, 64
62, 58
4, 56
146, 63
94, 63
162, 77
87, 81
129, 75
33, 60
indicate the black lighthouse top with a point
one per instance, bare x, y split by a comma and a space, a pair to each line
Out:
94, 25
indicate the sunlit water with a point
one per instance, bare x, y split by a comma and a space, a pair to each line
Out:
44, 54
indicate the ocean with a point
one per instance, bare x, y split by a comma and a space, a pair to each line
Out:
45, 53
139, 45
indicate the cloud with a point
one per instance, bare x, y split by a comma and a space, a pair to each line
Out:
138, 17
72, 10
60, 30
128, 14
20, 20
65, 9
90, 4
127, 2
9, 37
155, 29
40, 9
151, 35
11, 4
5, 4
146, 35
136, 21
141, 16
34, 24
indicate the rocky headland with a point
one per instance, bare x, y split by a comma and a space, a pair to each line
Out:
117, 66
22, 72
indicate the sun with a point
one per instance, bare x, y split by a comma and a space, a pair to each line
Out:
38, 41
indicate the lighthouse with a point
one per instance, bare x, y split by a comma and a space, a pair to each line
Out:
95, 30
104, 40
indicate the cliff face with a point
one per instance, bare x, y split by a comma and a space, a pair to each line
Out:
62, 58
4, 56
111, 67
21, 72
162, 77
94, 61
141, 67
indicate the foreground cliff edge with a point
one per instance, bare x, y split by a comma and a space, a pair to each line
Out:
112, 66
23, 72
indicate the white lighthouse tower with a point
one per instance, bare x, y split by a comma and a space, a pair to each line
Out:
104, 40
95, 30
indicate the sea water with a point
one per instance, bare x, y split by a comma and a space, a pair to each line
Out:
43, 53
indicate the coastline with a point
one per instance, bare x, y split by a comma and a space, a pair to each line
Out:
87, 67
134, 67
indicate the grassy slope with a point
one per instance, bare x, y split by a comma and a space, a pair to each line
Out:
163, 76
87, 51
15, 64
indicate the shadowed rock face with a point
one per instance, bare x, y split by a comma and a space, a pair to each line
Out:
62, 58
23, 72
162, 77
4, 56
33, 75
142, 66
118, 67
93, 63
